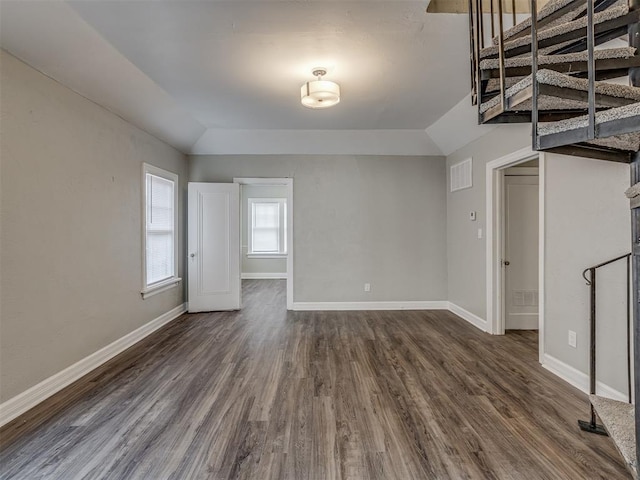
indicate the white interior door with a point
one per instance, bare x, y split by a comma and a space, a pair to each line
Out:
521, 252
214, 246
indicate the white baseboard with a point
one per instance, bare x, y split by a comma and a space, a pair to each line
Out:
28, 399
263, 276
579, 379
472, 318
411, 305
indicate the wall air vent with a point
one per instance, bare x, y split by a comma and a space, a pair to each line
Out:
461, 175
525, 298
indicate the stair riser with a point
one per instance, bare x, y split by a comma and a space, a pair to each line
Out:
600, 39
563, 138
522, 96
592, 152
525, 117
605, 68
619, 127
583, 96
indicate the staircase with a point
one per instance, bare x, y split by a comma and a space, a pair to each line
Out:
571, 105
617, 417
572, 70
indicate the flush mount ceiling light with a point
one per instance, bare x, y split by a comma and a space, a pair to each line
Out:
320, 93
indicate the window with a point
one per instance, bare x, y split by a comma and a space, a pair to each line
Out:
160, 232
267, 226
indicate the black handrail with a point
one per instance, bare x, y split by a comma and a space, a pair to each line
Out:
476, 28
503, 85
591, 425
584, 273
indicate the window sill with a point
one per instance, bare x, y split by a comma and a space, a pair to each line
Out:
266, 255
160, 287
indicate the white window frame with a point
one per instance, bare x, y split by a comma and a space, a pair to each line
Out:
282, 224
149, 290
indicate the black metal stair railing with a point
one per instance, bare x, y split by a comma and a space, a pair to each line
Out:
534, 74
477, 41
591, 425
574, 142
591, 75
474, 43
577, 139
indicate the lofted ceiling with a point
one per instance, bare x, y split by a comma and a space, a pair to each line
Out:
207, 76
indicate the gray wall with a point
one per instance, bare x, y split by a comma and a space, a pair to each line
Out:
357, 219
71, 248
587, 221
466, 254
259, 265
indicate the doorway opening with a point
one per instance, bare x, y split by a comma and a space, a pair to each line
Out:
519, 217
266, 231
515, 246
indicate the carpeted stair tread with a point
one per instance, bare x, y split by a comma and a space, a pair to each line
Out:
618, 419
550, 77
617, 10
550, 8
522, 40
608, 53
626, 141
628, 111
545, 102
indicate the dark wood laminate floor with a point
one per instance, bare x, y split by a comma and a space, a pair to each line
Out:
266, 394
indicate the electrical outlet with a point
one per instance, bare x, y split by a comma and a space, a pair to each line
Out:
367, 287
573, 339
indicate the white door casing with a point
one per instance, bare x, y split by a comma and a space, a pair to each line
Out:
521, 252
494, 241
213, 246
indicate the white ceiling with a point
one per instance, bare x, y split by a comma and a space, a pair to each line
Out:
189, 71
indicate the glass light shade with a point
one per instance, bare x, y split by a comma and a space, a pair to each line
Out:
320, 94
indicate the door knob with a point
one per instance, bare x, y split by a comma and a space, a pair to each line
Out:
506, 263
192, 255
